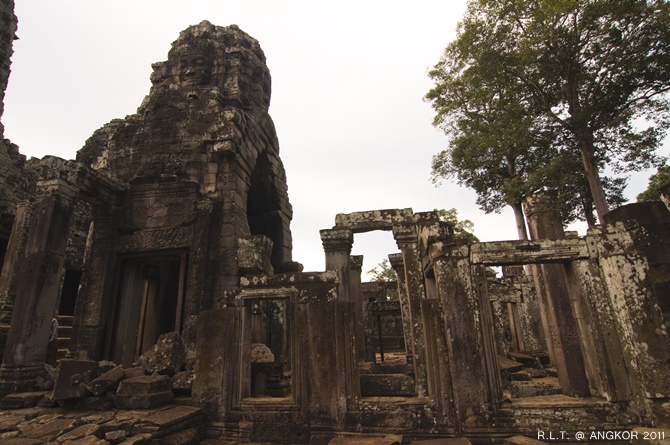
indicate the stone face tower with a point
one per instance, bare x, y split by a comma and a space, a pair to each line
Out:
206, 198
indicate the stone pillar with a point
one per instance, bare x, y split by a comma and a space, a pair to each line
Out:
551, 284
337, 245
462, 313
15, 249
356, 294
41, 266
406, 238
217, 375
328, 375
398, 266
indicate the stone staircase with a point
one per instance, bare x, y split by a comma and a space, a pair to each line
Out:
389, 379
64, 334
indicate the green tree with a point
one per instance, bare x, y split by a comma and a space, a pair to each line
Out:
463, 228
383, 272
652, 193
563, 75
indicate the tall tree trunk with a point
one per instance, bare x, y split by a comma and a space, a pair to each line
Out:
587, 206
587, 149
520, 221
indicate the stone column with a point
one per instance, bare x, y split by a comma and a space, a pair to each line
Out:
337, 245
407, 240
398, 266
38, 285
356, 294
551, 284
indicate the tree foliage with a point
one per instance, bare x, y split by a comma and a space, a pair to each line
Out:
658, 179
463, 228
530, 89
383, 272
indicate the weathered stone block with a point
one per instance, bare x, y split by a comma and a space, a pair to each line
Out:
143, 392
21, 400
107, 381
72, 379
182, 382
508, 365
166, 356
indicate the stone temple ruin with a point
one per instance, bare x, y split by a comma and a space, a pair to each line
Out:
165, 251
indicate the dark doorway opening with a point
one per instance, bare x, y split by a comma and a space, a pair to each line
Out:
68, 295
150, 302
3, 250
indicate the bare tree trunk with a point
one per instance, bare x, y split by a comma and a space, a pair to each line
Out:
520, 221
592, 175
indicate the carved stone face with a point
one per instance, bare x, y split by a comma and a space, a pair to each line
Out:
194, 69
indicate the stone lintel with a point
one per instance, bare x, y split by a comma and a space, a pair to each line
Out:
290, 279
360, 222
356, 262
529, 252
337, 240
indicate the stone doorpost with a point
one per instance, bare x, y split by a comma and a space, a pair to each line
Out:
398, 266
551, 283
407, 240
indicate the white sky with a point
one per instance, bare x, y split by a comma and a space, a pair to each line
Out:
348, 80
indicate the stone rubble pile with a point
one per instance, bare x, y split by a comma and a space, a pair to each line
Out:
130, 403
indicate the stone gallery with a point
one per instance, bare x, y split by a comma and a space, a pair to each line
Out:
148, 295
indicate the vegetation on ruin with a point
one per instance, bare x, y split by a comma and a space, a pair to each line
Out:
547, 94
658, 179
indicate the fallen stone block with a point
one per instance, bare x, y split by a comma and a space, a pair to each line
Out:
73, 376
21, 400
143, 392
135, 371
520, 376
508, 365
166, 356
526, 360
182, 382
106, 381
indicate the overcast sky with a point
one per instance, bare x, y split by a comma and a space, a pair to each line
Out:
348, 78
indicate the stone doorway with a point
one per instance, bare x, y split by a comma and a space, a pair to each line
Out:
150, 301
